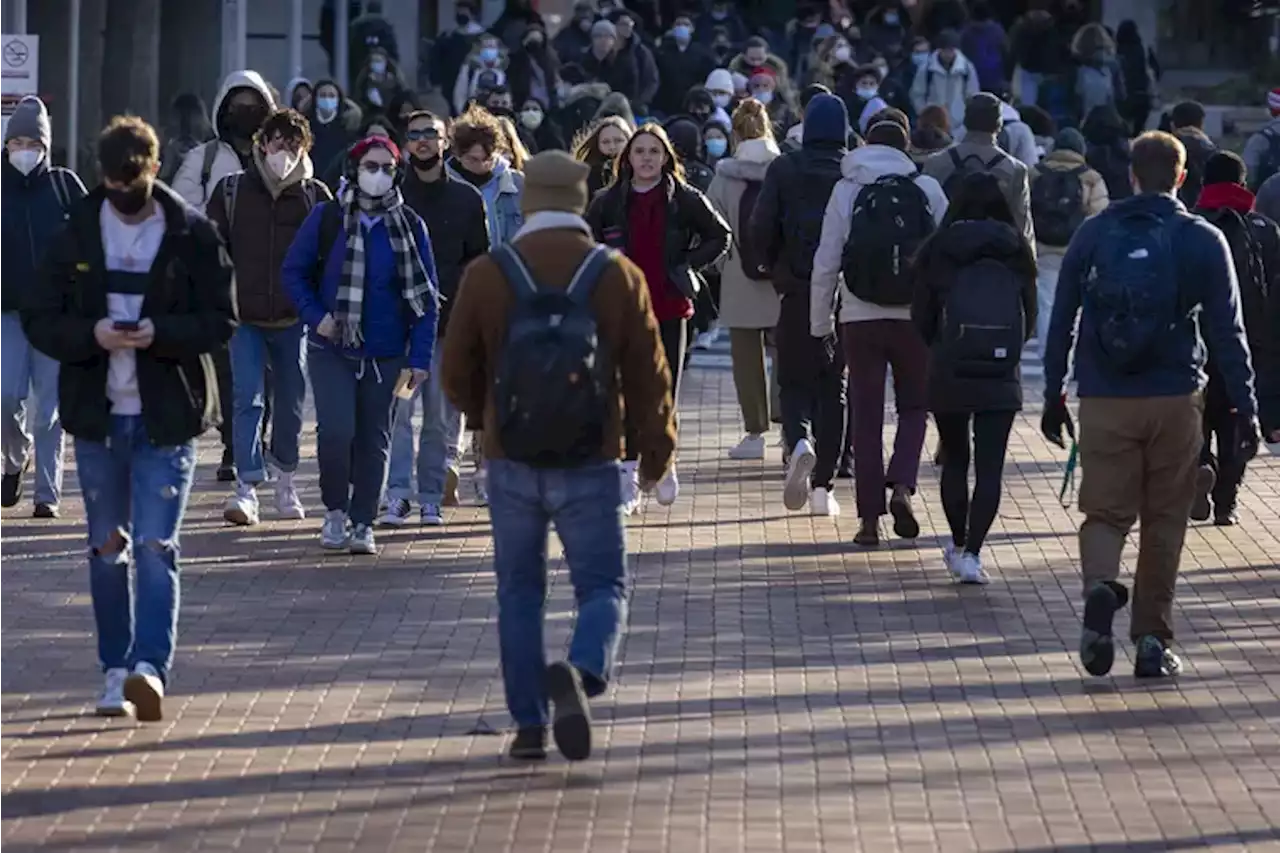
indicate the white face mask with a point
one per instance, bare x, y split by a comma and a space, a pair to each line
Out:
281, 163
532, 119
721, 101
866, 92
375, 184
765, 97
842, 53
26, 160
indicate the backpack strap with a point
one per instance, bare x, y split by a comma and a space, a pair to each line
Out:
956, 160
994, 161
589, 273
230, 192
517, 274
58, 177
206, 166
330, 227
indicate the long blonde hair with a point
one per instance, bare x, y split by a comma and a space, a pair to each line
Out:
511, 145
586, 145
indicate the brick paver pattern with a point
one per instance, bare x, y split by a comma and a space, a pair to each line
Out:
779, 690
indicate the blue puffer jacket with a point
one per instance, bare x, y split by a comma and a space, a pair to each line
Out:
1206, 278
31, 215
501, 199
387, 321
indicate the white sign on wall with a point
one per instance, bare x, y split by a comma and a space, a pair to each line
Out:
20, 72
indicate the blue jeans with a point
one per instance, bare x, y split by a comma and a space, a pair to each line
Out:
26, 370
135, 495
252, 347
439, 442
585, 504
353, 398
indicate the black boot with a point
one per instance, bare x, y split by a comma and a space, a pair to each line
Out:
227, 468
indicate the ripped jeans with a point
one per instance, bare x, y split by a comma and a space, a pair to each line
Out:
135, 495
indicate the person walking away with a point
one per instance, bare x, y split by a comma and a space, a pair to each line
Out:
260, 211
1139, 72
453, 210
975, 307
786, 225
1141, 380
476, 159
673, 233
242, 105
682, 64
1262, 150
984, 42
188, 127
1064, 193
749, 303
135, 391
1187, 121
1099, 81
1254, 241
980, 151
878, 215
554, 442
37, 199
362, 275
948, 79
1107, 150
1037, 49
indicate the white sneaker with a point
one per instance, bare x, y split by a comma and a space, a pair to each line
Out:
397, 514
706, 340
482, 485
242, 507
951, 558
823, 503
969, 569
362, 540
751, 447
334, 535
112, 702
288, 504
795, 490
431, 515
145, 690
668, 488
629, 473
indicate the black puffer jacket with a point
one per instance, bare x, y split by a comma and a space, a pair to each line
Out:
950, 249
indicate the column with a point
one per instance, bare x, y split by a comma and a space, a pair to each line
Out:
295, 40
341, 44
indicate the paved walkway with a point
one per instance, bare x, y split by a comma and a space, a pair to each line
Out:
779, 691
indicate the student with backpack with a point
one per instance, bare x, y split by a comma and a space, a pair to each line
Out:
1140, 72
1107, 150
1262, 151
1098, 80
1255, 249
876, 219
258, 212
980, 151
1187, 122
975, 306
553, 440
1064, 193
748, 302
1146, 280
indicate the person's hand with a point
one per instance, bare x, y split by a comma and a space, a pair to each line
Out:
328, 328
418, 378
1248, 434
109, 337
1055, 419
142, 337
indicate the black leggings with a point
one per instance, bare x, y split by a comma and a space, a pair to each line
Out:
674, 341
971, 519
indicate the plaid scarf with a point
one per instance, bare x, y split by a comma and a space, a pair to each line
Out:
413, 275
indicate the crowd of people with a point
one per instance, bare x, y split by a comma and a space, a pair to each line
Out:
842, 223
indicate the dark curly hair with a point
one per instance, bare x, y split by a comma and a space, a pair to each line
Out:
288, 124
477, 126
127, 149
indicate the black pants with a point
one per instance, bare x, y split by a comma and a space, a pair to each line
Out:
674, 342
222, 366
1226, 462
970, 519
812, 378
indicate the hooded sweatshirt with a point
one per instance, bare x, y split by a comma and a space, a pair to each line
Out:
745, 303
860, 167
189, 181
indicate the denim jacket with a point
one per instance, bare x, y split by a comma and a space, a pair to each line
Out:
501, 200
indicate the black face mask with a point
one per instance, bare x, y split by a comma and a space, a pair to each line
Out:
426, 163
243, 122
131, 200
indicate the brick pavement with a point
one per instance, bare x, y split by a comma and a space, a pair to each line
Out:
779, 691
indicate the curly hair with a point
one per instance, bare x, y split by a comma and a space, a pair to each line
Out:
289, 125
127, 149
751, 121
477, 126
511, 146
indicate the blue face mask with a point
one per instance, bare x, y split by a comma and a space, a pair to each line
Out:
716, 147
488, 54
920, 58
681, 33
891, 19
327, 104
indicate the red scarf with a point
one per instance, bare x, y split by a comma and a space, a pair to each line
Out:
1232, 196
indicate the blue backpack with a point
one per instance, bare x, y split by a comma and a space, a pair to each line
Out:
1128, 300
552, 384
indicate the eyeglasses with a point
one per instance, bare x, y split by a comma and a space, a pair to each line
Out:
375, 168
419, 135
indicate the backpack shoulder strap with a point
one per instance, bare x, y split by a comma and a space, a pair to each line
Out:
330, 227
309, 192
588, 275
230, 192
994, 161
58, 177
523, 285
206, 165
956, 159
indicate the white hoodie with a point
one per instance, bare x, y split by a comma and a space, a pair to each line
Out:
186, 182
860, 167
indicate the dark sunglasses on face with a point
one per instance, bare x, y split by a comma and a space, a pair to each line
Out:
419, 135
374, 168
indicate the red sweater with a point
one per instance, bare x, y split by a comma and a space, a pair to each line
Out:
646, 246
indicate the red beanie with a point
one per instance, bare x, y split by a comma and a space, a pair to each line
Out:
358, 150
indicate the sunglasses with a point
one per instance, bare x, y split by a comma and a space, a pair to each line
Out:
419, 135
375, 168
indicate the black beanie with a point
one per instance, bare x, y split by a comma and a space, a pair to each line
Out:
1224, 167
982, 113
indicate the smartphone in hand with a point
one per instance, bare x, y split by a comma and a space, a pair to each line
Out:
125, 325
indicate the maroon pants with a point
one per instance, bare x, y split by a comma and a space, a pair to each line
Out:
871, 348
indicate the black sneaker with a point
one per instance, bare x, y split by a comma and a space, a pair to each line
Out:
1154, 659
10, 490
227, 467
868, 535
45, 511
572, 716
530, 744
1097, 648
1205, 479
905, 525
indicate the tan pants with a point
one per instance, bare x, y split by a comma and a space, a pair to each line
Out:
747, 349
1138, 460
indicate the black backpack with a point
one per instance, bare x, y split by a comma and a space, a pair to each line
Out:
983, 322
1246, 250
755, 265
1270, 163
1112, 163
552, 385
890, 220
1057, 204
970, 164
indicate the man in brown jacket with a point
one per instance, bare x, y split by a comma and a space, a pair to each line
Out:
258, 212
581, 492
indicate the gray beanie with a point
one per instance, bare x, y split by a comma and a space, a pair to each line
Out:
30, 118
1070, 139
